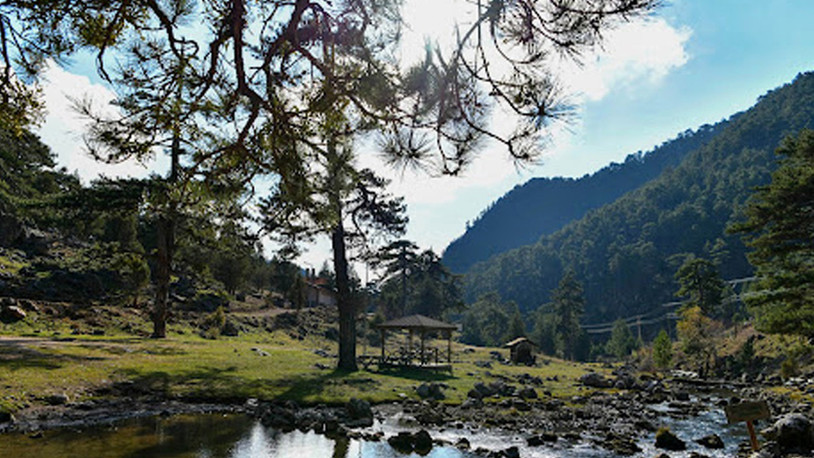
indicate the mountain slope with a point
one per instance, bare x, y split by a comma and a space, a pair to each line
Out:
622, 251
542, 206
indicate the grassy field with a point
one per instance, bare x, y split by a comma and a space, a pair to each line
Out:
38, 360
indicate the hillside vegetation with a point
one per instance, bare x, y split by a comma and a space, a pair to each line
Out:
541, 206
625, 253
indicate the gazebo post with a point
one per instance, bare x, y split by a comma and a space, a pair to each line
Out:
410, 347
381, 334
449, 346
423, 335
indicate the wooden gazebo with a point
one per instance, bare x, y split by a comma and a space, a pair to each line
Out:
422, 325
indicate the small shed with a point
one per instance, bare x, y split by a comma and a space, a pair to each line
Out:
521, 350
422, 325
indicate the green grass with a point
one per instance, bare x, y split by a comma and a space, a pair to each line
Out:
189, 367
10, 265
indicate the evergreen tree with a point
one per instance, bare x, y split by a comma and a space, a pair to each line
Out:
517, 328
621, 342
780, 218
568, 305
662, 350
351, 206
700, 282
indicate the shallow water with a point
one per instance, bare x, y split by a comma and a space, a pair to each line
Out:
239, 436
195, 436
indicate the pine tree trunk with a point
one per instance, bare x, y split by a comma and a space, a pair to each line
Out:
163, 262
166, 245
347, 311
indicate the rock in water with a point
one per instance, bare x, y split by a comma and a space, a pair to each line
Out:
422, 442
713, 441
667, 440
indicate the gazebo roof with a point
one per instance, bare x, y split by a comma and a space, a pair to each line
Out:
518, 341
417, 322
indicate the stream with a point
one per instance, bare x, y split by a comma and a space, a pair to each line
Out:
240, 436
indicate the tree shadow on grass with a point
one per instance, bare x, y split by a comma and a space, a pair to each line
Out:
226, 385
16, 356
417, 374
201, 384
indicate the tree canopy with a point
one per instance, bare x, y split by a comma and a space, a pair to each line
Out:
779, 227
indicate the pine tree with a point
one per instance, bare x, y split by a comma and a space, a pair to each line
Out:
621, 342
662, 350
779, 226
700, 282
568, 304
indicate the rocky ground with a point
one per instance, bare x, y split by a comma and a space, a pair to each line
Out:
614, 419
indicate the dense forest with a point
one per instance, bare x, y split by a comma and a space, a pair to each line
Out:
537, 207
64, 241
627, 253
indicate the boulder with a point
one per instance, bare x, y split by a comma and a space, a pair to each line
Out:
430, 391
12, 314
462, 444
230, 329
595, 380
406, 442
422, 442
57, 399
402, 442
713, 441
792, 431
528, 393
279, 417
6, 417
360, 414
666, 440
484, 390
620, 445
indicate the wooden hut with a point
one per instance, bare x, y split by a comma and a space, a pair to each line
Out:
521, 350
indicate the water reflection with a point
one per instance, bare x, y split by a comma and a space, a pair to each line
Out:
239, 436
198, 436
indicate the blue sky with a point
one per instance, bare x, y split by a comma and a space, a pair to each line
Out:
693, 62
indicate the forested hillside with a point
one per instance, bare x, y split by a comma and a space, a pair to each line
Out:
542, 206
624, 253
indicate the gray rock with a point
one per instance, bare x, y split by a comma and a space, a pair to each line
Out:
57, 399
359, 412
528, 393
11, 314
595, 380
6, 417
792, 431
666, 440
713, 441
422, 442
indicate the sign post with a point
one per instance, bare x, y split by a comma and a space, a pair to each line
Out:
748, 412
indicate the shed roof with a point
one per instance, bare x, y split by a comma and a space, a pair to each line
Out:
518, 341
417, 322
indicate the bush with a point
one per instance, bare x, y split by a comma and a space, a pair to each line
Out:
213, 323
663, 350
789, 368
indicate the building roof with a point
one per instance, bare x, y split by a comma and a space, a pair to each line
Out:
518, 341
417, 322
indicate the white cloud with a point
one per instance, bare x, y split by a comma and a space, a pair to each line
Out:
641, 51
63, 126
